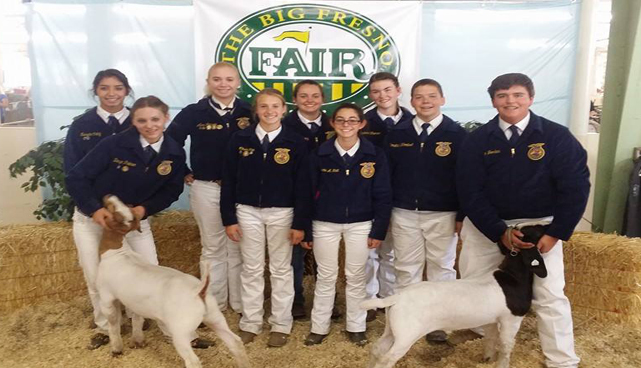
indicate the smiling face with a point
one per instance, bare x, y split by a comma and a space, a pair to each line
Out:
111, 93
512, 104
385, 94
270, 110
427, 102
150, 123
347, 123
223, 82
308, 100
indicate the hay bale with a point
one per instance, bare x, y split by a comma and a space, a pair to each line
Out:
603, 277
177, 241
40, 263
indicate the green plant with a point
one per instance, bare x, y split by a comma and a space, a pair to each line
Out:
46, 164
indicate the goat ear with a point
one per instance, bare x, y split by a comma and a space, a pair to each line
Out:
533, 259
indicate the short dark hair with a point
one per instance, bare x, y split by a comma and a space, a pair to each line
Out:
149, 101
111, 73
349, 105
310, 83
508, 80
380, 76
427, 82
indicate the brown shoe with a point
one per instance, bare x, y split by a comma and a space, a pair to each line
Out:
371, 315
358, 338
97, 341
314, 339
200, 343
277, 339
298, 312
436, 337
247, 336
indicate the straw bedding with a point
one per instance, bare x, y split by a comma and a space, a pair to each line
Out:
40, 276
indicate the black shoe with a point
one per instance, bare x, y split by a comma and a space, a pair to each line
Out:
314, 339
298, 312
371, 315
200, 343
436, 337
97, 341
358, 338
336, 313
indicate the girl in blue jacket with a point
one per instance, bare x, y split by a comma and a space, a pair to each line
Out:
263, 198
144, 169
352, 200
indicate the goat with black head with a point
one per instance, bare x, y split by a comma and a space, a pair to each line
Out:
497, 302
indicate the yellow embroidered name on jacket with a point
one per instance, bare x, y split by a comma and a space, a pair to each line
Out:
400, 145
330, 170
491, 152
370, 133
87, 135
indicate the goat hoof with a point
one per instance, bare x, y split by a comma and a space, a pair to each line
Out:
116, 353
97, 341
137, 345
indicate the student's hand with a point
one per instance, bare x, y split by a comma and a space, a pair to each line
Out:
515, 242
296, 236
457, 227
101, 217
373, 243
546, 243
189, 179
233, 232
307, 245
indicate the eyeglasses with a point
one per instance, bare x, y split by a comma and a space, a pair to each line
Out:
351, 121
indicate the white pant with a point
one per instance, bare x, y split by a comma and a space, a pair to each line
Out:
379, 270
327, 236
222, 255
480, 256
423, 238
273, 224
87, 235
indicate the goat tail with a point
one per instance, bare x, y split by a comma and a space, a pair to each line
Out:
204, 280
379, 303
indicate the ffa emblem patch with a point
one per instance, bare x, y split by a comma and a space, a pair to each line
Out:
164, 168
329, 135
242, 123
443, 149
367, 169
536, 151
282, 156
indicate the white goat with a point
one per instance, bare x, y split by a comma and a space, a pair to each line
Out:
175, 300
496, 302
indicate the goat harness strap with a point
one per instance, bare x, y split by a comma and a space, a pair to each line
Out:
513, 252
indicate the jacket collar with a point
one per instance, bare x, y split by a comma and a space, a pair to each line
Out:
535, 125
328, 149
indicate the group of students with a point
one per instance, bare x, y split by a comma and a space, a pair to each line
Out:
395, 186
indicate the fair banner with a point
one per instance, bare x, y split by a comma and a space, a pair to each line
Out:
340, 44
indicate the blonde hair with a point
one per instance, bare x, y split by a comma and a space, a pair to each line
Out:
269, 92
217, 65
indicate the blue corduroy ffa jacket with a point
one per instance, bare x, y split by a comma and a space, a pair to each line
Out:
275, 178
546, 174
209, 134
423, 175
346, 194
117, 166
84, 134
